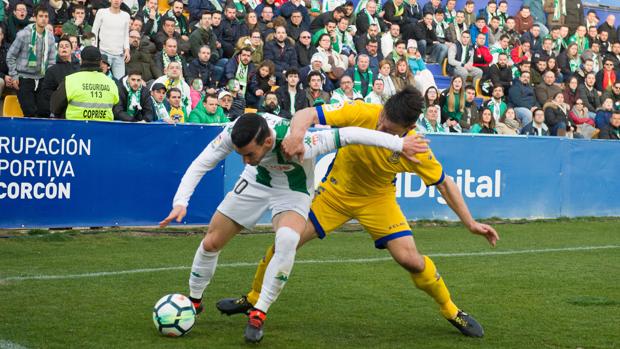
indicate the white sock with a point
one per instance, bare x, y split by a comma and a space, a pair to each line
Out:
203, 269
279, 267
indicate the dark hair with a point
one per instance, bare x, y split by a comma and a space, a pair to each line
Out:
404, 107
470, 87
321, 38
206, 12
167, 19
174, 89
210, 95
292, 71
537, 110
312, 74
372, 41
134, 72
248, 127
39, 9
246, 49
78, 7
491, 122
63, 38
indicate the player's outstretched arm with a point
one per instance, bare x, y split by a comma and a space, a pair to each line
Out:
293, 145
453, 197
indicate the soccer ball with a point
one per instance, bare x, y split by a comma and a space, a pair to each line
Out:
174, 315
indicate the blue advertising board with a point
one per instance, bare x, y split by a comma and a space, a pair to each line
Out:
57, 173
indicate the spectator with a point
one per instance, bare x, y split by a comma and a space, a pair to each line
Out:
389, 40
422, 76
167, 55
540, 67
502, 13
556, 116
134, 104
501, 47
510, 32
569, 61
334, 64
591, 19
394, 12
553, 67
173, 78
374, 56
570, 91
428, 122
545, 51
470, 13
198, 7
240, 68
293, 8
345, 93
521, 53
281, 51
201, 68
594, 53
612, 129
231, 30
589, 94
470, 113
494, 32
413, 12
255, 43
508, 124
270, 104
500, 74
362, 75
208, 112
579, 116
452, 100
428, 41
441, 26
523, 20
607, 77
496, 103
315, 95
537, 127
158, 105
486, 124
291, 97
320, 21
232, 103
402, 75
267, 4
373, 34
389, 87
367, 17
344, 41
140, 60
585, 68
450, 12
547, 88
461, 59
111, 27
175, 107
399, 52
250, 24
261, 82
580, 38
77, 25
457, 27
480, 27
603, 113
295, 25
614, 94
432, 7
87, 94
106, 68
522, 98
614, 55
28, 58
151, 18
376, 96
203, 35
482, 54
489, 11
265, 24
195, 91
168, 32
17, 21
55, 75
180, 22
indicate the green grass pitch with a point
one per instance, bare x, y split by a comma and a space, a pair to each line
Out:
546, 285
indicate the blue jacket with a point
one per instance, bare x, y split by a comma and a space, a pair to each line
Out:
284, 58
520, 95
231, 69
536, 10
197, 6
286, 10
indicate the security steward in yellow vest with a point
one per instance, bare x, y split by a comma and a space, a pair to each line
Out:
87, 94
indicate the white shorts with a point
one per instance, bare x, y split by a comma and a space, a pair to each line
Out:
248, 200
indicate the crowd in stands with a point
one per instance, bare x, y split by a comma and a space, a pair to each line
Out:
548, 69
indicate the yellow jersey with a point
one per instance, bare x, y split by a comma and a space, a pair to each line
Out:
365, 170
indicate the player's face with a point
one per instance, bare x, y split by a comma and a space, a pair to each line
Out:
387, 126
253, 153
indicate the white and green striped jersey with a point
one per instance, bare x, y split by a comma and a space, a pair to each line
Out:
274, 170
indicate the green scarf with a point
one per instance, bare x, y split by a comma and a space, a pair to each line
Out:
398, 11
497, 108
558, 11
449, 16
357, 81
32, 50
372, 20
147, 16
160, 110
427, 125
242, 76
180, 25
574, 64
395, 56
361, 5
133, 99
166, 59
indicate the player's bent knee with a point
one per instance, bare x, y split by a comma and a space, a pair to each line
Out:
413, 263
211, 244
286, 240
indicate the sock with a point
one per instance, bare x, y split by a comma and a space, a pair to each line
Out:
257, 283
279, 268
203, 268
432, 283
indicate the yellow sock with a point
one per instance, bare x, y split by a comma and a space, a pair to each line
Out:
432, 283
257, 283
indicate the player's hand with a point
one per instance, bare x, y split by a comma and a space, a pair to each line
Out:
178, 212
293, 147
414, 144
485, 230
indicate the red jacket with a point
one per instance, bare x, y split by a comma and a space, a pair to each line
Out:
578, 121
482, 56
517, 55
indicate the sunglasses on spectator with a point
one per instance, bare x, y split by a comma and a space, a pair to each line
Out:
304, 37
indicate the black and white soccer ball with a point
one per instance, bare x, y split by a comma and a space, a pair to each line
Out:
174, 315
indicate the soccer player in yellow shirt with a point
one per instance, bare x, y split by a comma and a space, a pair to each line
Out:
360, 185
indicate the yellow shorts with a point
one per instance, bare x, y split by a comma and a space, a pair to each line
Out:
380, 216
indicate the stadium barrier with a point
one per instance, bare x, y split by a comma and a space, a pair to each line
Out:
58, 173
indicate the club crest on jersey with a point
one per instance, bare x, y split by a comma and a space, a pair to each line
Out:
395, 157
332, 107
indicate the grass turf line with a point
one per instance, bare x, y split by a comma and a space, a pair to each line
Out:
550, 300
